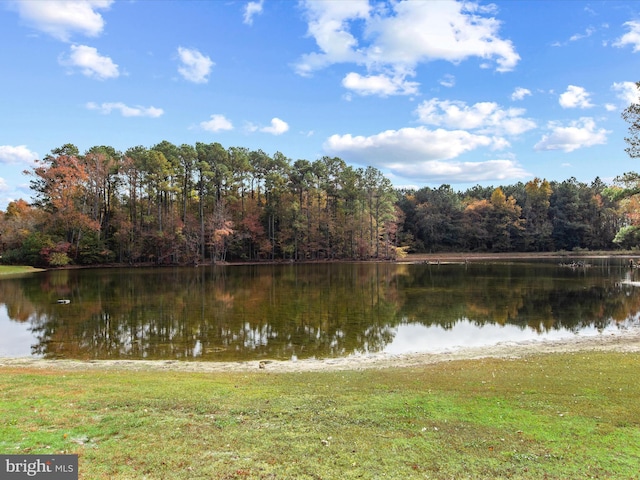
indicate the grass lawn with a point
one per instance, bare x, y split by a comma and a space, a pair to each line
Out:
563, 416
11, 270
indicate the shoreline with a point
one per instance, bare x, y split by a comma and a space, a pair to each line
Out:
442, 258
476, 257
626, 341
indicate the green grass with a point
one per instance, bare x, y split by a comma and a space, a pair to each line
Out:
12, 270
561, 416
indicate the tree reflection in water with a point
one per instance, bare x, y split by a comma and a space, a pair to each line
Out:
304, 311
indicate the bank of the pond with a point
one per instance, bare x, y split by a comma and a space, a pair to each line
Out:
441, 257
561, 257
626, 340
17, 269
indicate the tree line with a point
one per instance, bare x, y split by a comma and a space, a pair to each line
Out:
186, 204
537, 216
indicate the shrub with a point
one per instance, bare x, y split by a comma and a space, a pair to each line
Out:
59, 259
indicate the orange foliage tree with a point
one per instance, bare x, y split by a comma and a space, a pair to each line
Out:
61, 190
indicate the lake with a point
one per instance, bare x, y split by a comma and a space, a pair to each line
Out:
296, 311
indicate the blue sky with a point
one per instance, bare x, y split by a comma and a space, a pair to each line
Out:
429, 92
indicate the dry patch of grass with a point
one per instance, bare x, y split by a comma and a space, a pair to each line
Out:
550, 416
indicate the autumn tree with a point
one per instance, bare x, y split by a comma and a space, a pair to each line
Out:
601, 215
130, 215
439, 218
60, 185
219, 229
476, 224
102, 165
506, 224
626, 191
301, 179
180, 204
204, 168
494, 224
16, 225
157, 172
538, 226
626, 188
275, 184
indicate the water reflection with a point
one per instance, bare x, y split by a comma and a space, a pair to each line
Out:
414, 338
16, 337
317, 310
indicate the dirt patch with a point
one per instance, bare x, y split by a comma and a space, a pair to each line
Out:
623, 341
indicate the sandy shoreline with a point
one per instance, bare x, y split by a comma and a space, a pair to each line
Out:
622, 341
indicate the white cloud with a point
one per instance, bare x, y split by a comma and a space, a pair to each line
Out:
217, 123
627, 92
411, 144
3, 185
575, 97
195, 67
328, 24
632, 37
519, 93
125, 110
578, 134
382, 85
277, 127
62, 18
90, 62
10, 154
448, 81
251, 9
575, 37
486, 117
452, 31
399, 36
579, 36
435, 171
422, 154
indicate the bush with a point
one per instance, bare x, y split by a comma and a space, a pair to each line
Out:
93, 250
12, 257
34, 246
59, 259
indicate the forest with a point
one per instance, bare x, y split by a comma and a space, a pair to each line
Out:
189, 205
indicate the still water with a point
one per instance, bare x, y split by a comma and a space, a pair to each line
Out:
229, 313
